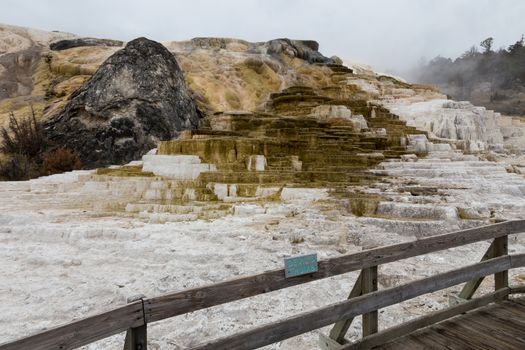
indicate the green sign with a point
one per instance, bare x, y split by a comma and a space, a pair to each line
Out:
300, 265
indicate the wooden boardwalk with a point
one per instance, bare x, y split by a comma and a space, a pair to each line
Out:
499, 326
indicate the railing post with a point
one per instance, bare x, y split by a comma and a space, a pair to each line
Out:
336, 339
365, 283
340, 329
369, 280
498, 248
472, 286
137, 337
501, 279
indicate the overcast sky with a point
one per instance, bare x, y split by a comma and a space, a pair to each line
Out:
387, 34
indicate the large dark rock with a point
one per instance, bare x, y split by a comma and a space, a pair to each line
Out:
137, 97
80, 42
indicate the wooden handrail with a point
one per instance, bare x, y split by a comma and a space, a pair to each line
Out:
517, 290
308, 321
90, 329
174, 304
84, 331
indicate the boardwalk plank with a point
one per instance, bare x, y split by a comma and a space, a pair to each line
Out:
518, 320
409, 343
418, 343
519, 303
424, 345
499, 329
497, 326
510, 313
432, 338
461, 334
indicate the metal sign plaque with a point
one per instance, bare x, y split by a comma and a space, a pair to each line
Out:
300, 265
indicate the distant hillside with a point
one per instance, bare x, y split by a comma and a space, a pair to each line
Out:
494, 79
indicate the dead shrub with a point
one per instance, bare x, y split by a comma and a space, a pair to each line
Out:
25, 136
60, 161
18, 167
23, 142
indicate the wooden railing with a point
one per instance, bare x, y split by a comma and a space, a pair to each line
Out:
364, 299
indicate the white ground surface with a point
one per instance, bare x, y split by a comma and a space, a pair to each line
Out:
62, 260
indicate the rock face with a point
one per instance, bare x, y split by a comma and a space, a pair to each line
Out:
303, 49
136, 98
80, 42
